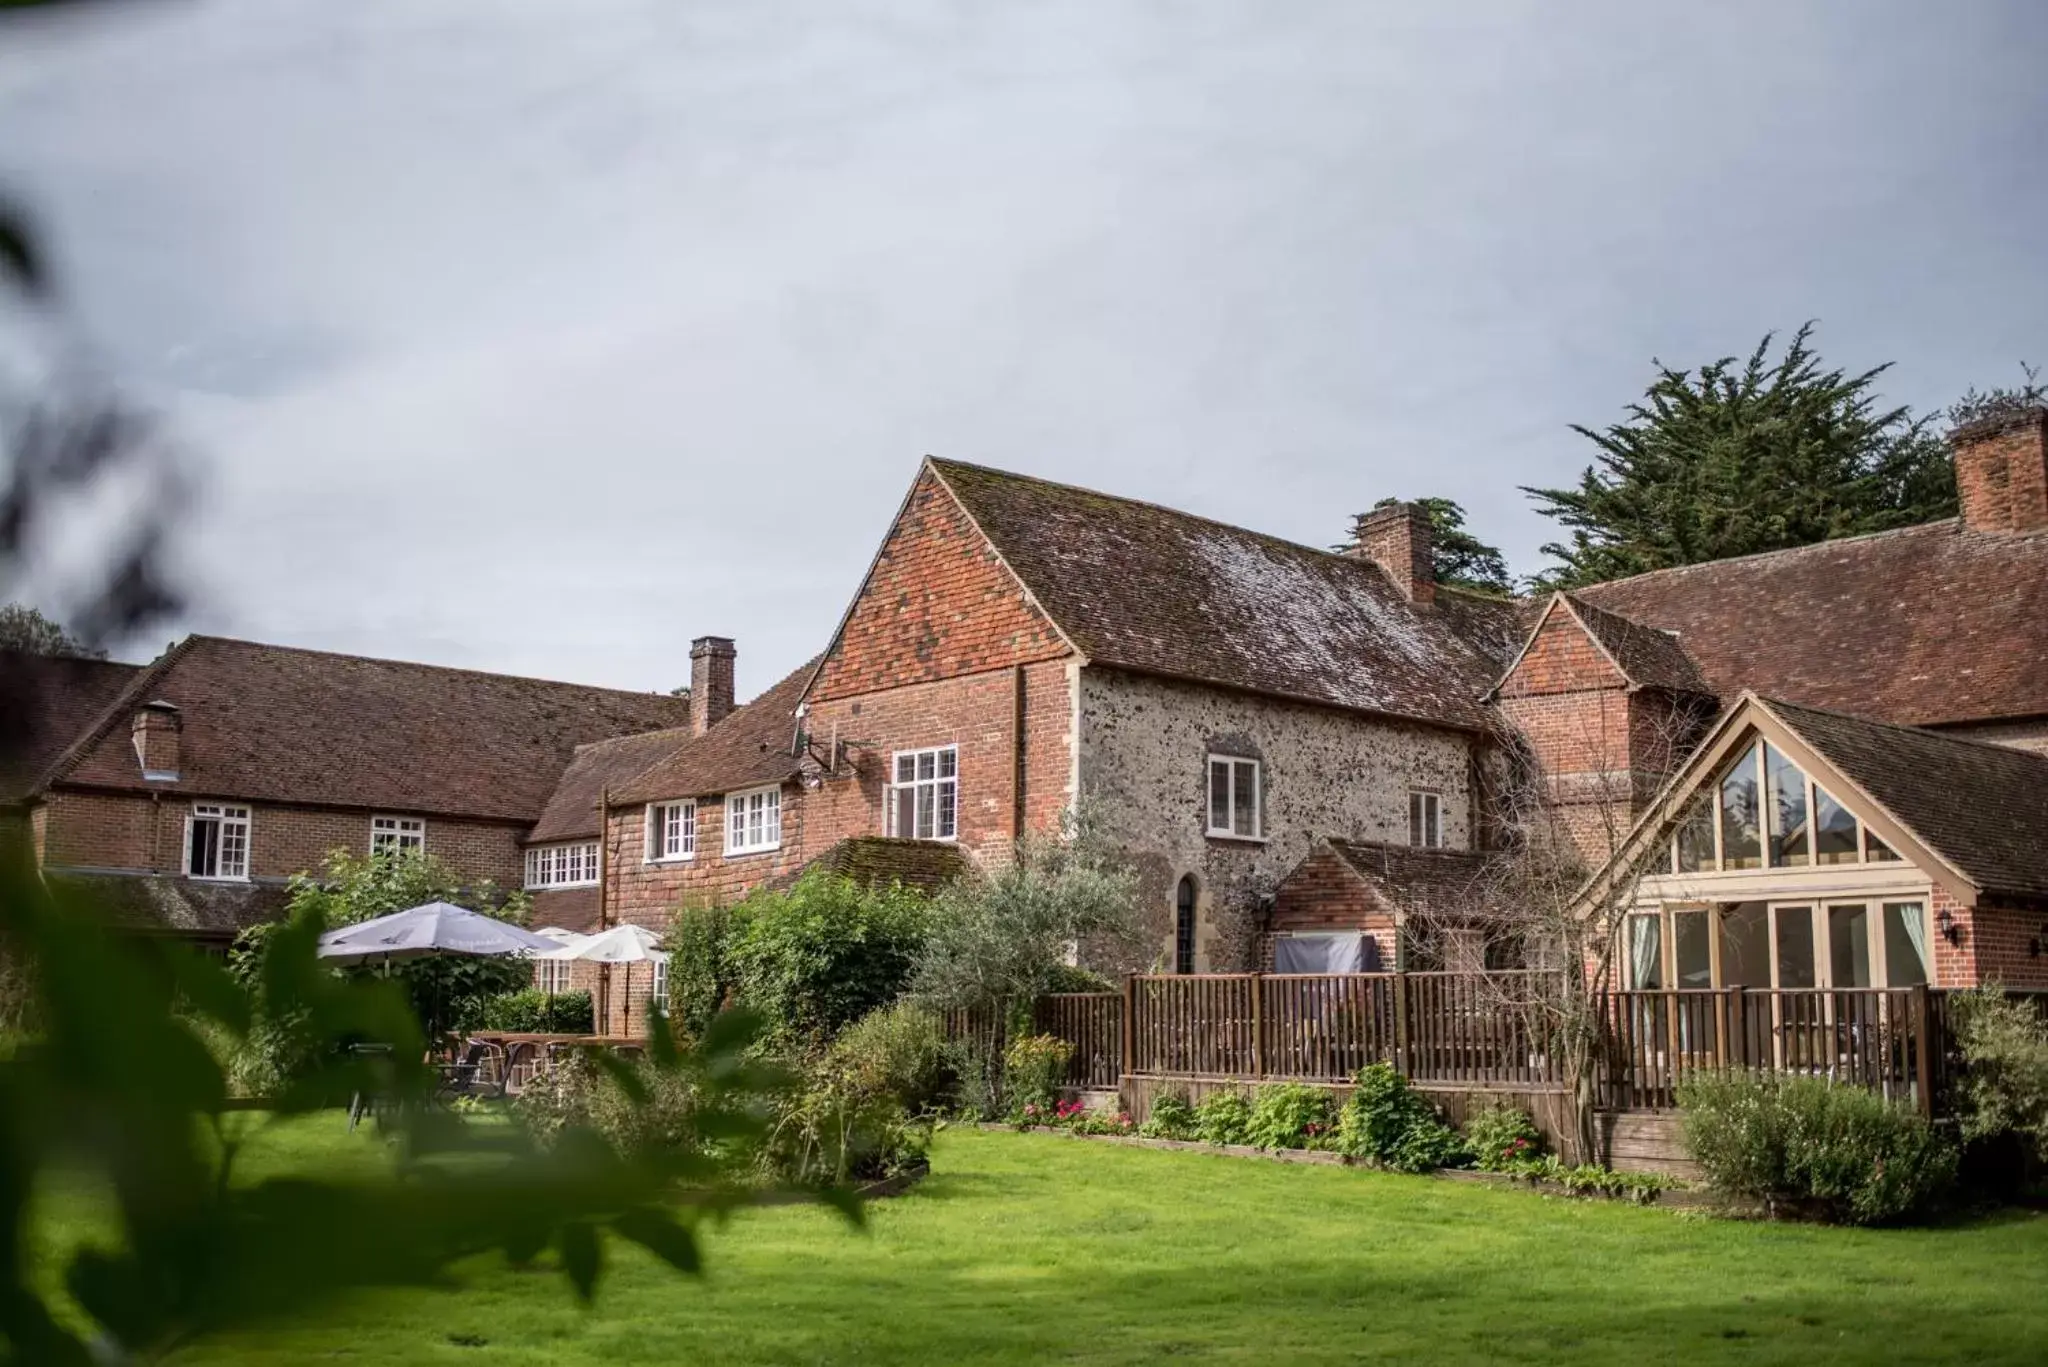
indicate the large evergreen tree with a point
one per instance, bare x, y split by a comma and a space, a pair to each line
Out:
1739, 457
1460, 558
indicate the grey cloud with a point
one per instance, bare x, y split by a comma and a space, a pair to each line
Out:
546, 337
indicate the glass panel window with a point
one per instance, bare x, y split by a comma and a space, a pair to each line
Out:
1786, 806
1234, 797
1795, 946
1692, 951
562, 866
1875, 850
1745, 946
1646, 952
1849, 946
1693, 843
551, 975
1834, 830
1741, 812
217, 841
658, 994
397, 834
1905, 944
753, 821
671, 830
1184, 926
924, 801
1426, 821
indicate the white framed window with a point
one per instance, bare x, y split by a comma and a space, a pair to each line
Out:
397, 834
562, 866
671, 831
660, 988
1234, 798
1426, 820
552, 975
924, 801
753, 821
217, 841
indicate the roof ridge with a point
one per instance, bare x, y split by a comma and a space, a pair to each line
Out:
428, 665
1363, 564
1954, 522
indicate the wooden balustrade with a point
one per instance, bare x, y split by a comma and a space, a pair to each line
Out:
1487, 1032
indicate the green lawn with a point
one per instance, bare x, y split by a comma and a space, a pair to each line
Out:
1029, 1248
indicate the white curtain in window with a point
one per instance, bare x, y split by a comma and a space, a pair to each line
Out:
1645, 945
1343, 952
1915, 918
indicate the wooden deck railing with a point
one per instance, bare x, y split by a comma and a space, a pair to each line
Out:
1481, 1031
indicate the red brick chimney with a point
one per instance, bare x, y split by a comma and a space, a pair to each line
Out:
2002, 471
156, 731
711, 660
1399, 539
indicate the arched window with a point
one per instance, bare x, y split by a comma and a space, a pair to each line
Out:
1184, 926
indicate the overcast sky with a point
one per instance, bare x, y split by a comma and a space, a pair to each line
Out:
543, 337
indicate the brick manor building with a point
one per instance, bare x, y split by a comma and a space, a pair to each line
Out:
1833, 760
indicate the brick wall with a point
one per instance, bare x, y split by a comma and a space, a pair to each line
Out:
1326, 893
84, 828
1602, 749
1996, 945
938, 603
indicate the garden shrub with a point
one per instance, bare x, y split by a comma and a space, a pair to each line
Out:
702, 980
1034, 1070
1172, 1117
1386, 1121
2002, 1097
577, 1093
816, 958
1809, 1147
1067, 978
1290, 1115
1502, 1136
533, 1011
1224, 1118
899, 1052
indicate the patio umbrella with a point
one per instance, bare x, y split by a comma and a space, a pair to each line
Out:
435, 928
430, 931
626, 944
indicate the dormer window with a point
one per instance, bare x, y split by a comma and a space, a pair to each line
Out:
217, 842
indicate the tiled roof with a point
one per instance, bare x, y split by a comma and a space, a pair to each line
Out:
46, 703
1926, 624
152, 902
1145, 588
1983, 807
1421, 882
878, 861
276, 724
1493, 626
750, 747
571, 813
1647, 657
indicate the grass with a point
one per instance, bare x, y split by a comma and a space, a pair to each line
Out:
1033, 1248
